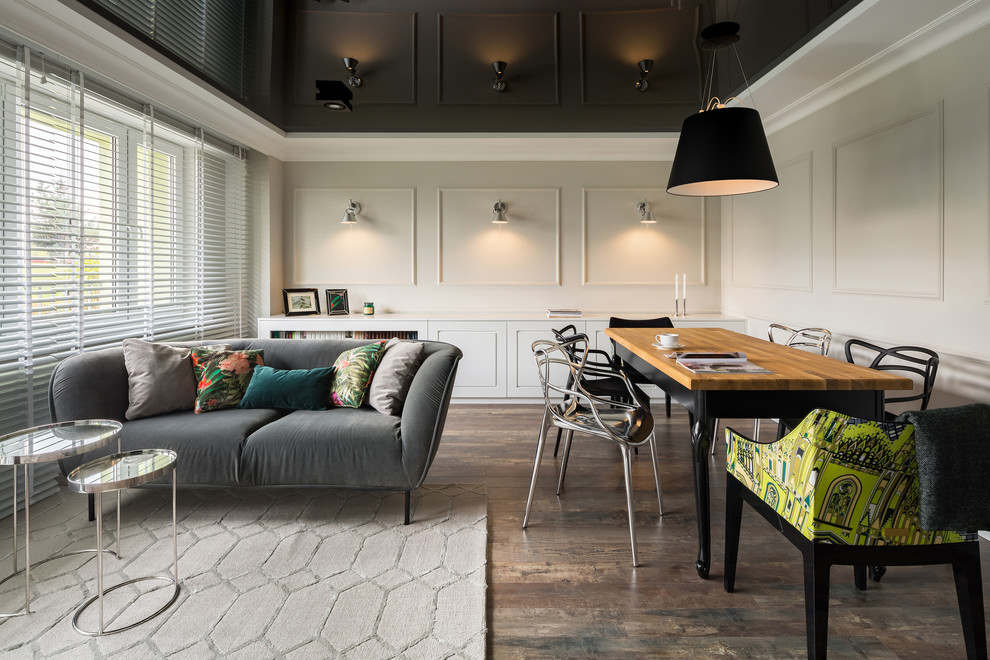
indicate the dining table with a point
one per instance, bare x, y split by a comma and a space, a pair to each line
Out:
797, 383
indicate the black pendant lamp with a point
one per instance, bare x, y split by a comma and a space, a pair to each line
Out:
721, 150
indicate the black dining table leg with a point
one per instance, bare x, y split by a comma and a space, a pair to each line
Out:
701, 442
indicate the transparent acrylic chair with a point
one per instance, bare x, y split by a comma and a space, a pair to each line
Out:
570, 407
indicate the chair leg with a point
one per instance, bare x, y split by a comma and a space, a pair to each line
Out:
816, 576
627, 468
668, 404
656, 470
859, 577
756, 430
568, 436
714, 433
969, 593
536, 467
556, 445
733, 522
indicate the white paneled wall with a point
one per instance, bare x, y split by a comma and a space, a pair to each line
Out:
879, 229
424, 240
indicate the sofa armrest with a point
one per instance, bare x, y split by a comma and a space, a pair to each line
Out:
425, 409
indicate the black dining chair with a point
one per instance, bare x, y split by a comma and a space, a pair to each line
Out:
596, 382
915, 362
659, 323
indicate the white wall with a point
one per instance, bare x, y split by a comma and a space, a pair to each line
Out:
879, 228
424, 239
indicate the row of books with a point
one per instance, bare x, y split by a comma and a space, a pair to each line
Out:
371, 335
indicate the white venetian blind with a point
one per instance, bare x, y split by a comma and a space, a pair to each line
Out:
114, 223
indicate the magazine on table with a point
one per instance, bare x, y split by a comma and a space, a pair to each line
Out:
744, 367
711, 357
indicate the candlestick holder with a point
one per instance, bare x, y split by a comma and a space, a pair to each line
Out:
677, 308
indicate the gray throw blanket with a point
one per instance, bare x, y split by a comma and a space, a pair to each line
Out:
953, 449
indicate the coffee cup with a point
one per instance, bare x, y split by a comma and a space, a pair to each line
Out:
668, 340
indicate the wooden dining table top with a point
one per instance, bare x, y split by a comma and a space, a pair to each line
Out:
791, 368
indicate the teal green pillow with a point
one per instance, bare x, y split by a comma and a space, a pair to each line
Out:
294, 389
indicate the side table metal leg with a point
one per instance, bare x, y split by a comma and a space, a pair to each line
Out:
27, 540
99, 554
175, 542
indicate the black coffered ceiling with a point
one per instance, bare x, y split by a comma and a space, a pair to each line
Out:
426, 65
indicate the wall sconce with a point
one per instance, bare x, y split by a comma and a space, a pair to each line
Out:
334, 94
499, 211
352, 79
645, 214
644, 69
350, 215
498, 84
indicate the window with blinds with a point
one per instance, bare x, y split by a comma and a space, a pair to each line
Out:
115, 223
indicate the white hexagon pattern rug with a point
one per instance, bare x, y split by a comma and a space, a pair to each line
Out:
293, 573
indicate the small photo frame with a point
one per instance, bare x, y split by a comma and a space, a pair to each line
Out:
337, 302
301, 302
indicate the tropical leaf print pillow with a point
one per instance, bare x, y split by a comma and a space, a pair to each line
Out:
352, 374
224, 377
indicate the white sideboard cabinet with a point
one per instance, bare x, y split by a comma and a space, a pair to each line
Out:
498, 359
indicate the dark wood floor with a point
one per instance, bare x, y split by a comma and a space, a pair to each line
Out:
565, 587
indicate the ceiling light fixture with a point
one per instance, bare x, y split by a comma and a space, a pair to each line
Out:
352, 79
334, 94
645, 214
722, 150
350, 215
498, 84
499, 211
644, 69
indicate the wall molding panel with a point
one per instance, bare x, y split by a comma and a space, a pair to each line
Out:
888, 233
617, 250
469, 43
771, 243
384, 45
473, 251
379, 249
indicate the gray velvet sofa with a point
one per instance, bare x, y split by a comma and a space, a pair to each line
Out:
339, 447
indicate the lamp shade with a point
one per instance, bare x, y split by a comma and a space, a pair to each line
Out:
722, 151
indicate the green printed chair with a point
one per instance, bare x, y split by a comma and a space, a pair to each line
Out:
846, 491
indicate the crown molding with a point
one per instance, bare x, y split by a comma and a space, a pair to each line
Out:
870, 41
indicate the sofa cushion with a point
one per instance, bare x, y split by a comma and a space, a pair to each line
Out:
337, 447
293, 389
224, 376
395, 372
353, 372
159, 378
208, 446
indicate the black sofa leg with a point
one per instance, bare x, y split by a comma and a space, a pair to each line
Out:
92, 507
816, 576
733, 522
408, 497
969, 592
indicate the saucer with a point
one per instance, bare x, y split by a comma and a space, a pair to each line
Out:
668, 348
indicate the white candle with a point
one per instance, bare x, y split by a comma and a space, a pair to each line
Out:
684, 296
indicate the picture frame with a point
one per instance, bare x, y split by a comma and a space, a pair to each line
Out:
301, 302
337, 302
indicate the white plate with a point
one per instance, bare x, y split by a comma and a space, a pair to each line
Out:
668, 348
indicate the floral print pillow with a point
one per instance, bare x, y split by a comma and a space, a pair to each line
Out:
223, 376
352, 374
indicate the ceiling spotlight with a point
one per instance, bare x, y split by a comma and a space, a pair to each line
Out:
352, 79
498, 84
334, 94
645, 214
644, 69
350, 215
499, 211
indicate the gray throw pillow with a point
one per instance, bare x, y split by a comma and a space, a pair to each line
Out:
395, 372
159, 378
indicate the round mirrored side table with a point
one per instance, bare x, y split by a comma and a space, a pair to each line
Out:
114, 473
43, 444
